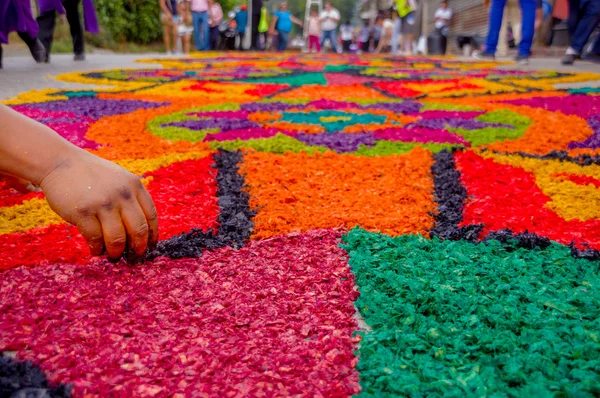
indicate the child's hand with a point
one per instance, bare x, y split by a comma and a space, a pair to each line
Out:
109, 205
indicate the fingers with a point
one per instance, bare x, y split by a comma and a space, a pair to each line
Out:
91, 230
115, 238
149, 210
136, 227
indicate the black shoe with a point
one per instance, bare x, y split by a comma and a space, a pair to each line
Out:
568, 59
79, 57
38, 51
522, 59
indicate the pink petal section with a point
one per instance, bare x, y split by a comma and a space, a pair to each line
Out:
272, 319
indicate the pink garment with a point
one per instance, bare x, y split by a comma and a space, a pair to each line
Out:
215, 15
314, 41
199, 5
314, 27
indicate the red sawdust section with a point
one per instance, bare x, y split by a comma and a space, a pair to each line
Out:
272, 319
502, 196
300, 192
60, 243
185, 195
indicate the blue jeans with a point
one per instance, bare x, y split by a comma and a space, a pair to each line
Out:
332, 36
584, 15
527, 26
283, 40
201, 31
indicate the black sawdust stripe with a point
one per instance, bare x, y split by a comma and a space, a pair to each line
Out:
235, 216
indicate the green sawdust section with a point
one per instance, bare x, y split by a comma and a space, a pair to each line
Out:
456, 319
492, 134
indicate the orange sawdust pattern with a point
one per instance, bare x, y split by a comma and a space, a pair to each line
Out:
300, 192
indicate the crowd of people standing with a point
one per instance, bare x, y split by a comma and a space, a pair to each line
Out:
584, 18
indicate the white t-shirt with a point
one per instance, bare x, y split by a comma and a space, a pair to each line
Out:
328, 24
441, 13
346, 32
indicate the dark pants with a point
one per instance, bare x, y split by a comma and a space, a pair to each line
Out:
214, 37
283, 40
346, 45
584, 15
47, 23
26, 38
254, 45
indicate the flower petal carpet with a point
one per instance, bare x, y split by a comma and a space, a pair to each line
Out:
329, 226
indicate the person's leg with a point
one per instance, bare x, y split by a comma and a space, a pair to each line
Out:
167, 37
495, 23
38, 52
72, 9
283, 37
323, 37
527, 27
574, 15
254, 42
396, 32
197, 35
47, 22
205, 30
186, 43
590, 18
334, 41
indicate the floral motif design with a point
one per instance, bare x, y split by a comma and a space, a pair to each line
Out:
259, 166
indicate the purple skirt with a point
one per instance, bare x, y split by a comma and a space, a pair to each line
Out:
15, 16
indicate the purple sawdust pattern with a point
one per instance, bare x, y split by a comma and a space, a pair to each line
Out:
593, 141
96, 107
222, 124
450, 114
455, 124
247, 134
339, 142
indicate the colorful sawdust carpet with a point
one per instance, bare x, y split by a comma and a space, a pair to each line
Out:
329, 226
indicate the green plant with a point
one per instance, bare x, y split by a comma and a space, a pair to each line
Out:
135, 21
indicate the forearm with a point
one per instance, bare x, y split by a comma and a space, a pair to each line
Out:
28, 149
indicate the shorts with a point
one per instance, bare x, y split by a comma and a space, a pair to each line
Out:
408, 22
185, 30
168, 21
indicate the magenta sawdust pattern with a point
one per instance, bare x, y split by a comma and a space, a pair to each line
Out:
474, 188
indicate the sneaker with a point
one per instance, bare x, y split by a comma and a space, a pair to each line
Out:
568, 59
522, 59
38, 52
79, 57
483, 56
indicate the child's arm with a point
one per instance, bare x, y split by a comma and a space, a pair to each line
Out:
108, 204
